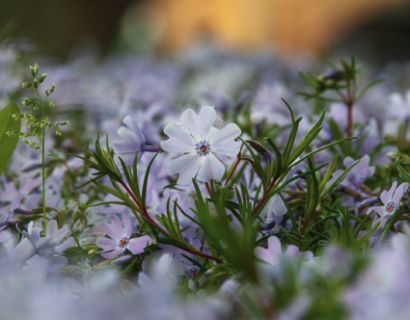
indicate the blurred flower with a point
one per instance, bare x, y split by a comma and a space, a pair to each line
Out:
49, 248
132, 141
199, 140
119, 239
273, 254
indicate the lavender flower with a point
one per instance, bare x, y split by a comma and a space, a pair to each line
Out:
50, 247
132, 141
199, 141
391, 200
120, 238
273, 254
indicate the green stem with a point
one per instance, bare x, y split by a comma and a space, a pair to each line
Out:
43, 178
43, 175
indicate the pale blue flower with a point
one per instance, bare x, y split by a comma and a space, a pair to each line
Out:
199, 141
391, 200
120, 238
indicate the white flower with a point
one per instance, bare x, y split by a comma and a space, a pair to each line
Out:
199, 141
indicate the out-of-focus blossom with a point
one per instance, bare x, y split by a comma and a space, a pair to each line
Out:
273, 253
199, 141
274, 208
50, 247
382, 291
132, 140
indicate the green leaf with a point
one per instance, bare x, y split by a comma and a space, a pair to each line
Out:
172, 242
328, 173
335, 183
337, 134
8, 144
307, 139
403, 172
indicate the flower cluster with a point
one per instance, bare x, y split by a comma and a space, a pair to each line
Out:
248, 207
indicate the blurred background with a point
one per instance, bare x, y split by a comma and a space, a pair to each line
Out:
378, 29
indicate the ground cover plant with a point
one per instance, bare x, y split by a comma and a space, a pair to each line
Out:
215, 186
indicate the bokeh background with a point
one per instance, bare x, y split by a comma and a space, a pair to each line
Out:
378, 29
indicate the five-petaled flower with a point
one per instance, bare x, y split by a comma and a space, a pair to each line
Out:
119, 240
391, 200
196, 137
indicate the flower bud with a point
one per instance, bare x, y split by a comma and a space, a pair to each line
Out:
42, 77
26, 85
34, 70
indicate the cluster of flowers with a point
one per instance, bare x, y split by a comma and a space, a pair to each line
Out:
192, 211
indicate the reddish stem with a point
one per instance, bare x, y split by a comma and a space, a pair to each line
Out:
146, 216
264, 197
202, 254
305, 223
349, 119
233, 170
238, 159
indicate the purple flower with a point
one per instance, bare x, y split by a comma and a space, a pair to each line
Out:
391, 200
119, 238
199, 140
50, 247
132, 141
273, 254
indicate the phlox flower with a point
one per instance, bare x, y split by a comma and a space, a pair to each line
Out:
49, 248
196, 137
273, 253
119, 238
132, 140
391, 200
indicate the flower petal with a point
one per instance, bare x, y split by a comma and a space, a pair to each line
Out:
274, 245
223, 142
389, 194
137, 245
127, 225
278, 206
186, 165
52, 228
211, 168
65, 245
112, 254
176, 146
106, 244
206, 119
398, 194
381, 210
384, 197
130, 141
199, 126
132, 124
190, 120
175, 132
114, 230
266, 255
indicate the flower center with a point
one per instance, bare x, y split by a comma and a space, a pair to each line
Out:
123, 242
203, 148
194, 271
390, 206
